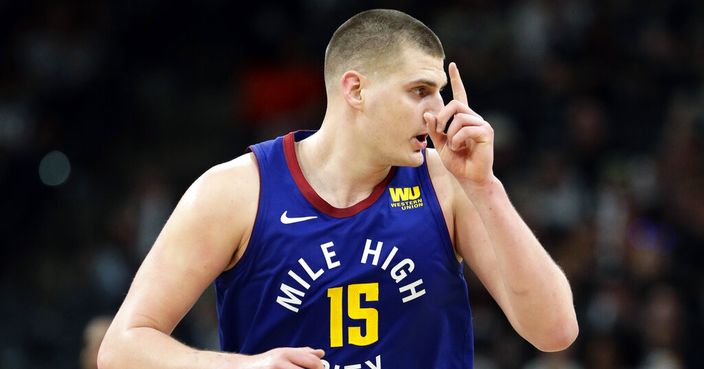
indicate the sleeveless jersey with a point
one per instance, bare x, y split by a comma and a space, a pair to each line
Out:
376, 283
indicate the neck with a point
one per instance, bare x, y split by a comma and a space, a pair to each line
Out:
338, 164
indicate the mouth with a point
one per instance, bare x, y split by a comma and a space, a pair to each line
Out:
420, 141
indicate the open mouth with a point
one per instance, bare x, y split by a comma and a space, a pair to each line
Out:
420, 142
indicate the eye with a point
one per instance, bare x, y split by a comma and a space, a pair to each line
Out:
420, 91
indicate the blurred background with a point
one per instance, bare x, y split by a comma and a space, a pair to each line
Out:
110, 109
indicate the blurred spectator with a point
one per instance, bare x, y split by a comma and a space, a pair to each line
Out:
559, 360
663, 333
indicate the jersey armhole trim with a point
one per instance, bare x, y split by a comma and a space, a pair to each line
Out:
438, 214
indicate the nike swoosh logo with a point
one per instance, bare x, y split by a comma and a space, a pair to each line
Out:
286, 220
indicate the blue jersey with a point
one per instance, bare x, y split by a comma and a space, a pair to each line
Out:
376, 283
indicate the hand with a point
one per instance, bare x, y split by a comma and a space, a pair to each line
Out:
467, 150
284, 358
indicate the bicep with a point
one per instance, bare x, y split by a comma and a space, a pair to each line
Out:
194, 247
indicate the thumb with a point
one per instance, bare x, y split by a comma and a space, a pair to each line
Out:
439, 139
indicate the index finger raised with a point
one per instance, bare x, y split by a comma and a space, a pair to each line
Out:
458, 91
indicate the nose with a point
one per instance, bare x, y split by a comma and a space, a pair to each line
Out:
435, 104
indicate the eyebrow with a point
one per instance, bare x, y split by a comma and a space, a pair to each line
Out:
426, 82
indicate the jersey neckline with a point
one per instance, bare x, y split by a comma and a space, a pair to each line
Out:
289, 145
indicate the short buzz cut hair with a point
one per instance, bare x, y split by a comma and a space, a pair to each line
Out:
371, 39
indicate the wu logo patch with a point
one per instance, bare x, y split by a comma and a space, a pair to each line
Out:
405, 198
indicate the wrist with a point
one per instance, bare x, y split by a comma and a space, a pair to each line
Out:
227, 360
478, 191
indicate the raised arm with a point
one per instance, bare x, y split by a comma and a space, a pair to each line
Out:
491, 236
205, 235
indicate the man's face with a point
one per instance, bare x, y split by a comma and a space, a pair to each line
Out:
394, 103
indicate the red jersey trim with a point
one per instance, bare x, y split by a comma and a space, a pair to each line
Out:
313, 198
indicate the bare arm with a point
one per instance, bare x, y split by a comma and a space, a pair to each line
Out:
518, 272
206, 233
490, 235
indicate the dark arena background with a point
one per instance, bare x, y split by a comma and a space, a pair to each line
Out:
110, 109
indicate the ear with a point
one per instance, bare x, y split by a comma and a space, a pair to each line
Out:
352, 82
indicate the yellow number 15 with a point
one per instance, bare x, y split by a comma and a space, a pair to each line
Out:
356, 312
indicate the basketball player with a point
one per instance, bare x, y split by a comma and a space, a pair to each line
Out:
343, 248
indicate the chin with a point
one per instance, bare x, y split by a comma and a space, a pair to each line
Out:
414, 160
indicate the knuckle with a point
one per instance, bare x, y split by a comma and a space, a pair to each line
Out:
460, 105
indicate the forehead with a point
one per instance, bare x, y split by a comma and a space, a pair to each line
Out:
415, 65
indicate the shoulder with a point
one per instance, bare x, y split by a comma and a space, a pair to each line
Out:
221, 206
234, 176
226, 194
233, 180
